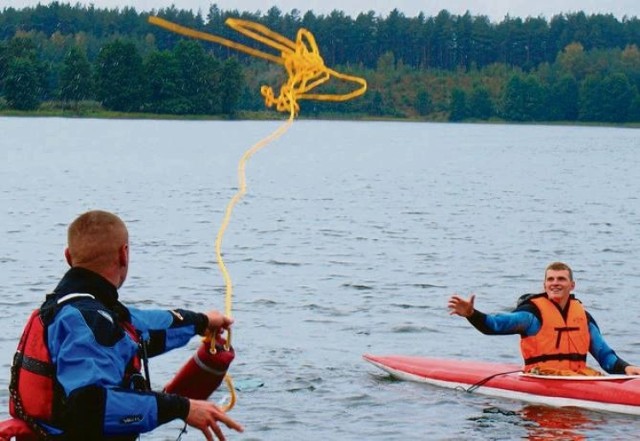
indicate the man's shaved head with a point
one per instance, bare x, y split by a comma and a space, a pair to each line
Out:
94, 239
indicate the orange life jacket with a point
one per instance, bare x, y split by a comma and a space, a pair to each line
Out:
561, 343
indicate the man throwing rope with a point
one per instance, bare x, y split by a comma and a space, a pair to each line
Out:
78, 369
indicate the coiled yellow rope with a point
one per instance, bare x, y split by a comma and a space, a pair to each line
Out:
301, 59
306, 71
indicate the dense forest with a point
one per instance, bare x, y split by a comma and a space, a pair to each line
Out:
572, 67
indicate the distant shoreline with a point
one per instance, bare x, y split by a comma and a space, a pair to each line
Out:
269, 115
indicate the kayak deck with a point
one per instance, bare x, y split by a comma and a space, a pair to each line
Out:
614, 393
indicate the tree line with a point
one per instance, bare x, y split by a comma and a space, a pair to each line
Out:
447, 67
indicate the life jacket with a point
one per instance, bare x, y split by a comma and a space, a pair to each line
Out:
35, 395
561, 343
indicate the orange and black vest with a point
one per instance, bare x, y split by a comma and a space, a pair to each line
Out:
563, 340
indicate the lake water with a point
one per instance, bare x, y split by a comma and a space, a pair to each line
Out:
350, 240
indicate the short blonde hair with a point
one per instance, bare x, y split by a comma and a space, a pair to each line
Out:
559, 266
94, 238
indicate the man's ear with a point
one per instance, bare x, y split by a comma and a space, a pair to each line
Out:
123, 255
67, 256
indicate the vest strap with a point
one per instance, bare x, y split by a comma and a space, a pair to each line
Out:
555, 357
34, 365
560, 330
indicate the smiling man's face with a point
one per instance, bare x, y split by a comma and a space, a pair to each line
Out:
558, 285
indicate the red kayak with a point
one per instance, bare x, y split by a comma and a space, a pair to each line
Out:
611, 393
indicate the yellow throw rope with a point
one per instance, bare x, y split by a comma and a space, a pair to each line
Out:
306, 71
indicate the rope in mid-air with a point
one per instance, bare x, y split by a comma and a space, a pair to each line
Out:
305, 71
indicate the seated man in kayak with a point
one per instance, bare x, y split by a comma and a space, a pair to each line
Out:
78, 371
556, 331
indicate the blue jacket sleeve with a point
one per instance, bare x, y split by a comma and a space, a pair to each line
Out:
520, 322
166, 330
91, 352
602, 352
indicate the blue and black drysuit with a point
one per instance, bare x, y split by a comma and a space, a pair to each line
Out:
526, 320
92, 354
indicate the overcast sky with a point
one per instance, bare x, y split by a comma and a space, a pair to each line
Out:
495, 9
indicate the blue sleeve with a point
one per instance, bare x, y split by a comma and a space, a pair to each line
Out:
90, 352
524, 323
167, 330
602, 352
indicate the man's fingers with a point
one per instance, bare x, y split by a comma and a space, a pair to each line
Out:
230, 422
216, 429
207, 434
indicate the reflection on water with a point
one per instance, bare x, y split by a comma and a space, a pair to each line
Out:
541, 422
552, 423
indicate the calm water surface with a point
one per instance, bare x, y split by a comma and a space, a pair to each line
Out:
350, 240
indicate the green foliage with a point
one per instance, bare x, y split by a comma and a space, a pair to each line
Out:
375, 105
563, 99
23, 76
459, 110
480, 103
119, 77
608, 99
4, 61
634, 109
76, 77
23, 46
163, 76
536, 99
574, 66
591, 93
630, 64
22, 84
198, 86
231, 85
513, 100
423, 102
188, 81
617, 100
524, 99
